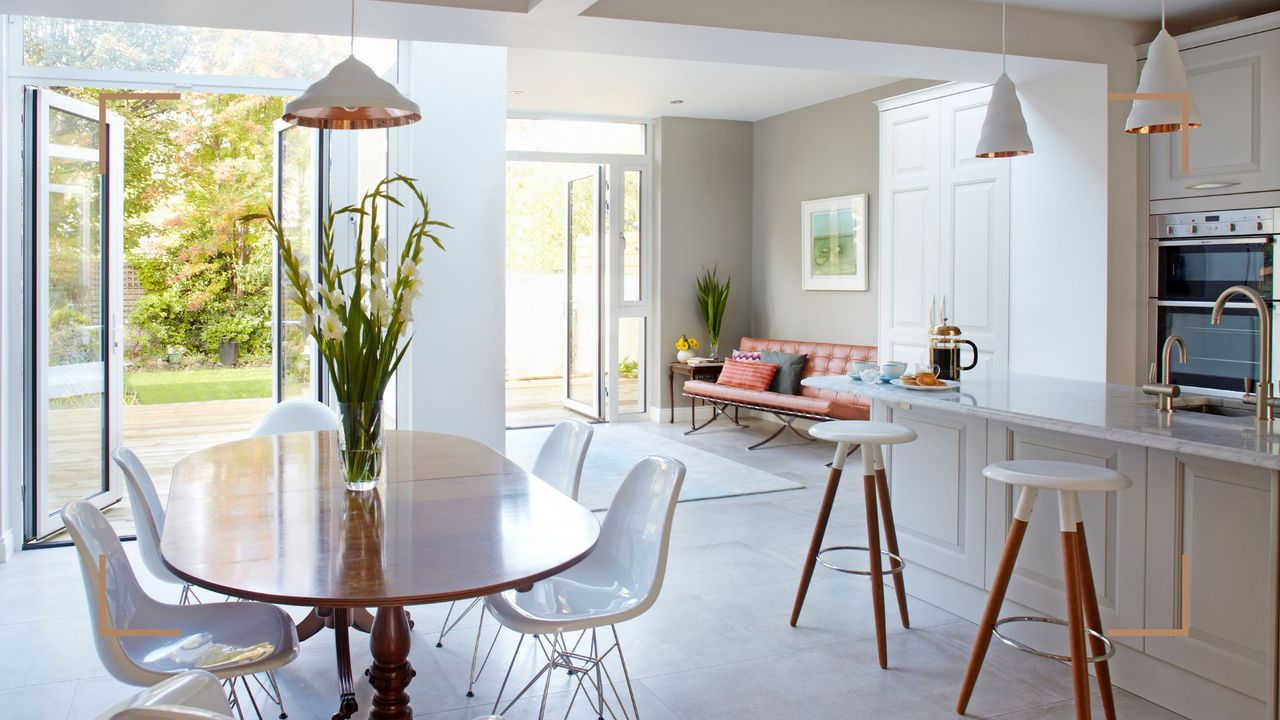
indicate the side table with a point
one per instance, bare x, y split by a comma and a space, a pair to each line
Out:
702, 371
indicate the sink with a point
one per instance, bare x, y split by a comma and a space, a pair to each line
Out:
1204, 405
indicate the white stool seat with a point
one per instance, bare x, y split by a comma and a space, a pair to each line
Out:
1057, 475
863, 431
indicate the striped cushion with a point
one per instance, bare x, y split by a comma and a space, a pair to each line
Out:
749, 375
745, 356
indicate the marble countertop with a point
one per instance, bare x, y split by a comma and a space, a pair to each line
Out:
1121, 413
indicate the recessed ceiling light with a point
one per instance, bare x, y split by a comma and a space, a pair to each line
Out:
677, 102
517, 92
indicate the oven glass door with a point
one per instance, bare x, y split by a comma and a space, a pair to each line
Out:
1197, 271
1218, 356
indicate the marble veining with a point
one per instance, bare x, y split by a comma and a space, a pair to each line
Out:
1120, 413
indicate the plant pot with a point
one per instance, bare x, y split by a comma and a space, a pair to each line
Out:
229, 353
684, 355
360, 444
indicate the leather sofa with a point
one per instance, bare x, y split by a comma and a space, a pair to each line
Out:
811, 403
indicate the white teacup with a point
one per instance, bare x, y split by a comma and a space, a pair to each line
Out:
893, 370
861, 366
870, 375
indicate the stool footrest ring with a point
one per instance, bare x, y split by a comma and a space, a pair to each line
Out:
850, 571
1106, 641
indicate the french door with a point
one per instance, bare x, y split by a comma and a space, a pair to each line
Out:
584, 215
301, 196
73, 309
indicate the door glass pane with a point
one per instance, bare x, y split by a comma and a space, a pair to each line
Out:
575, 136
583, 279
298, 184
631, 365
76, 360
631, 236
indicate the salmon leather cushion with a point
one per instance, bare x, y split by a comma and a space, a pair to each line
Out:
747, 375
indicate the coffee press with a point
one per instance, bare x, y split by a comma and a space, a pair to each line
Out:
944, 347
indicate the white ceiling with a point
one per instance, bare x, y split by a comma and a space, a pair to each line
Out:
575, 83
1182, 11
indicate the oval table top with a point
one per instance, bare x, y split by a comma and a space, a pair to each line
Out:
268, 518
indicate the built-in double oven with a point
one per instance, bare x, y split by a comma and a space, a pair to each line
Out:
1195, 257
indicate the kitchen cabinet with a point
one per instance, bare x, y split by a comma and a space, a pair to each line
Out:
944, 225
1236, 86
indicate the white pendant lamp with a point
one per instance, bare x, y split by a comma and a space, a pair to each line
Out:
351, 97
1162, 74
1004, 131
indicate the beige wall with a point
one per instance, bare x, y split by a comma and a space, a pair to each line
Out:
820, 151
702, 182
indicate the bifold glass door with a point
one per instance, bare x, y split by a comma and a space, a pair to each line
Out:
74, 247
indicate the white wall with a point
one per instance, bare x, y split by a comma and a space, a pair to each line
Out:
452, 378
1059, 258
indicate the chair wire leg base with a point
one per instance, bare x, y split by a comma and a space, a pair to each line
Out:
474, 676
446, 627
594, 681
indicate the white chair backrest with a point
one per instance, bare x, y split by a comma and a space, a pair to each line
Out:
191, 695
560, 460
125, 603
297, 415
148, 513
636, 531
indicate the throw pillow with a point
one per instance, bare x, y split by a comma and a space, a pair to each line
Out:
749, 375
790, 371
745, 356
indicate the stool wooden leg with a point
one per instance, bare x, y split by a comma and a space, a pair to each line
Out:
819, 531
891, 537
1075, 624
877, 572
1094, 620
999, 586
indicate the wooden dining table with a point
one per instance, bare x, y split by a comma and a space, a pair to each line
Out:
268, 518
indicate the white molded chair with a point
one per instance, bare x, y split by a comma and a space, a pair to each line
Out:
192, 695
559, 464
148, 519
232, 640
297, 415
618, 581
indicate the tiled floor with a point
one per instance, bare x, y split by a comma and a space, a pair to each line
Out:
716, 645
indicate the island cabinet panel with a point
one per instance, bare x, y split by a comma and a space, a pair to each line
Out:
1114, 526
1219, 514
939, 492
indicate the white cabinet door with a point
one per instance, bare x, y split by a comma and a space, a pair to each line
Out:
1236, 87
1219, 514
908, 228
1114, 526
974, 232
939, 492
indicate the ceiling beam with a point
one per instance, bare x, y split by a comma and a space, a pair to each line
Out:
561, 8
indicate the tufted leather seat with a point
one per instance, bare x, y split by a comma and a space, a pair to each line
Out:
824, 359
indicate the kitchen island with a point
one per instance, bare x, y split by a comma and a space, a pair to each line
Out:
1204, 486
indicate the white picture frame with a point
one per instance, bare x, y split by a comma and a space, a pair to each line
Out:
834, 233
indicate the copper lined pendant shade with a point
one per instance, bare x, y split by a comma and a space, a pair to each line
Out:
1004, 129
1162, 75
351, 97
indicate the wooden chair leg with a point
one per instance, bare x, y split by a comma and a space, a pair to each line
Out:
1093, 618
815, 545
877, 572
1075, 624
891, 541
1000, 585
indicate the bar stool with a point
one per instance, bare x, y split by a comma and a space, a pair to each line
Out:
1069, 479
848, 434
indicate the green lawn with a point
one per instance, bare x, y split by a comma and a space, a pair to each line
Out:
157, 387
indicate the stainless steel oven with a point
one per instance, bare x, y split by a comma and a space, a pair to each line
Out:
1195, 257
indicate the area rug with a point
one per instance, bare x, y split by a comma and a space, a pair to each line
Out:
617, 447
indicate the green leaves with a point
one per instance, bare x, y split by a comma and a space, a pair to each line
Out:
713, 298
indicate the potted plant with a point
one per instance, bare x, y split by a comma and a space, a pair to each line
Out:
685, 347
361, 316
713, 298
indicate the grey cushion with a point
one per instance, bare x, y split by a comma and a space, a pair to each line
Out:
790, 371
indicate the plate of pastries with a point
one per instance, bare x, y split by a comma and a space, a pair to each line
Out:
925, 381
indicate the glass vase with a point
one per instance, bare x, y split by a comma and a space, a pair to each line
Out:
360, 444
715, 351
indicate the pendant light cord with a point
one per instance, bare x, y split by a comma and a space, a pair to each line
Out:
1004, 52
353, 29
1162, 14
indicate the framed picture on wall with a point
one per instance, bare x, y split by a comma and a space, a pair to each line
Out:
833, 238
